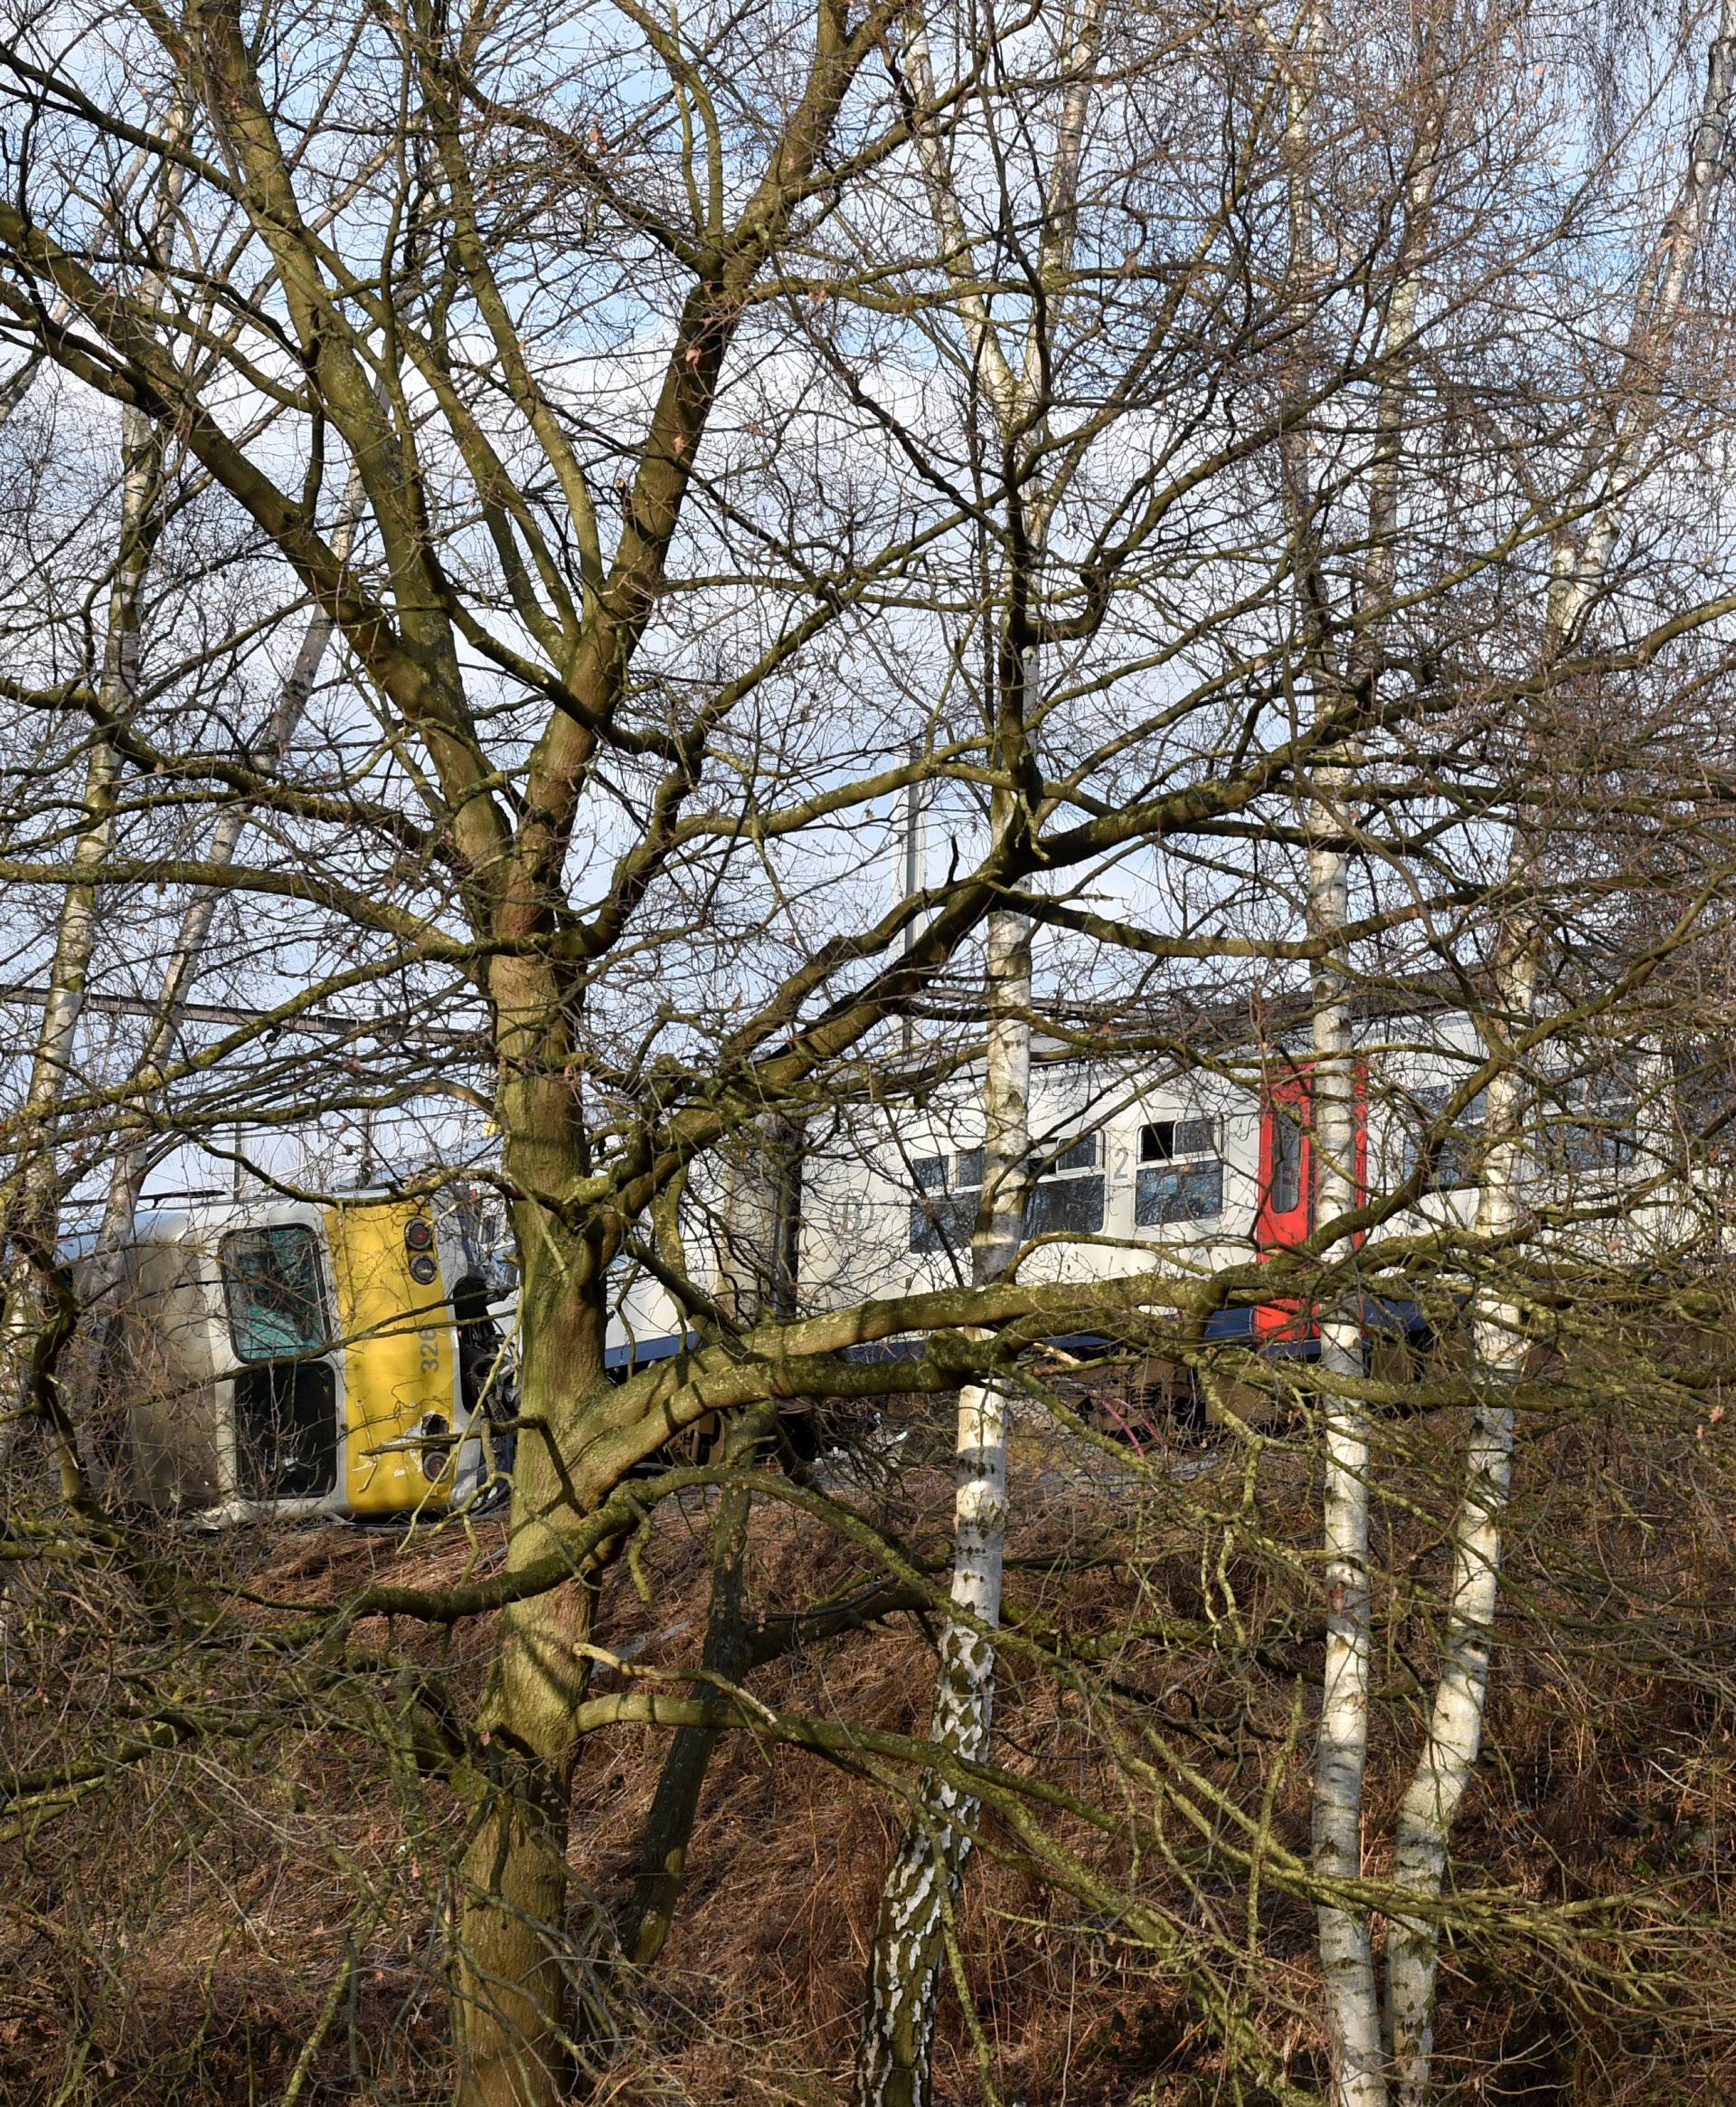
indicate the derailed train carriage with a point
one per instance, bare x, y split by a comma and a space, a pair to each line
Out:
278, 1358
267, 1357
1213, 1164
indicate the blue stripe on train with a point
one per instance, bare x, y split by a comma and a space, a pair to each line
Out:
1381, 1314
641, 1353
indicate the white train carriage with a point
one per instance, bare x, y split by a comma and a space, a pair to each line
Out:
1135, 1166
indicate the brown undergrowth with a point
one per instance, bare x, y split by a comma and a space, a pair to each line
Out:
258, 1913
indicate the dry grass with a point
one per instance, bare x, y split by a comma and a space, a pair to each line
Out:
180, 1935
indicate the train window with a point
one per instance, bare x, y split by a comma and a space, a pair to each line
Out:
1286, 1161
1180, 1177
1455, 1164
276, 1308
1704, 1101
1596, 1143
942, 1221
1165, 1141
1066, 1207
1182, 1192
1597, 1126
1066, 1200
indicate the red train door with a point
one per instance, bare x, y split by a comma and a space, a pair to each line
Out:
1287, 1176
1285, 1163
1288, 1181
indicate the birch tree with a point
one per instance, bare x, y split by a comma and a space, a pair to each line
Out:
133, 1160
706, 514
1330, 1117
1336, 1099
1366, 2044
32, 1203
1454, 1730
923, 1882
29, 1213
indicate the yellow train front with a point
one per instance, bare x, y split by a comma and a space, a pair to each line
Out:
268, 1358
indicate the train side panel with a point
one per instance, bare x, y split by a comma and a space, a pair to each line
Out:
168, 1338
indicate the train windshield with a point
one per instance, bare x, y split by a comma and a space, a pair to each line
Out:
277, 1310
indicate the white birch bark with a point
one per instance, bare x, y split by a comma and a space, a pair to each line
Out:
1350, 1987
29, 1207
132, 1164
892, 2057
1341, 1752
898, 2022
1437, 1786
33, 1199
1357, 2047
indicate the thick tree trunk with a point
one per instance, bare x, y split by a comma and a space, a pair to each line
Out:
512, 1975
513, 1972
892, 2055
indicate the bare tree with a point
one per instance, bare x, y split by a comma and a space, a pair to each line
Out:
922, 1883
704, 516
1437, 1786
132, 1162
32, 1206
